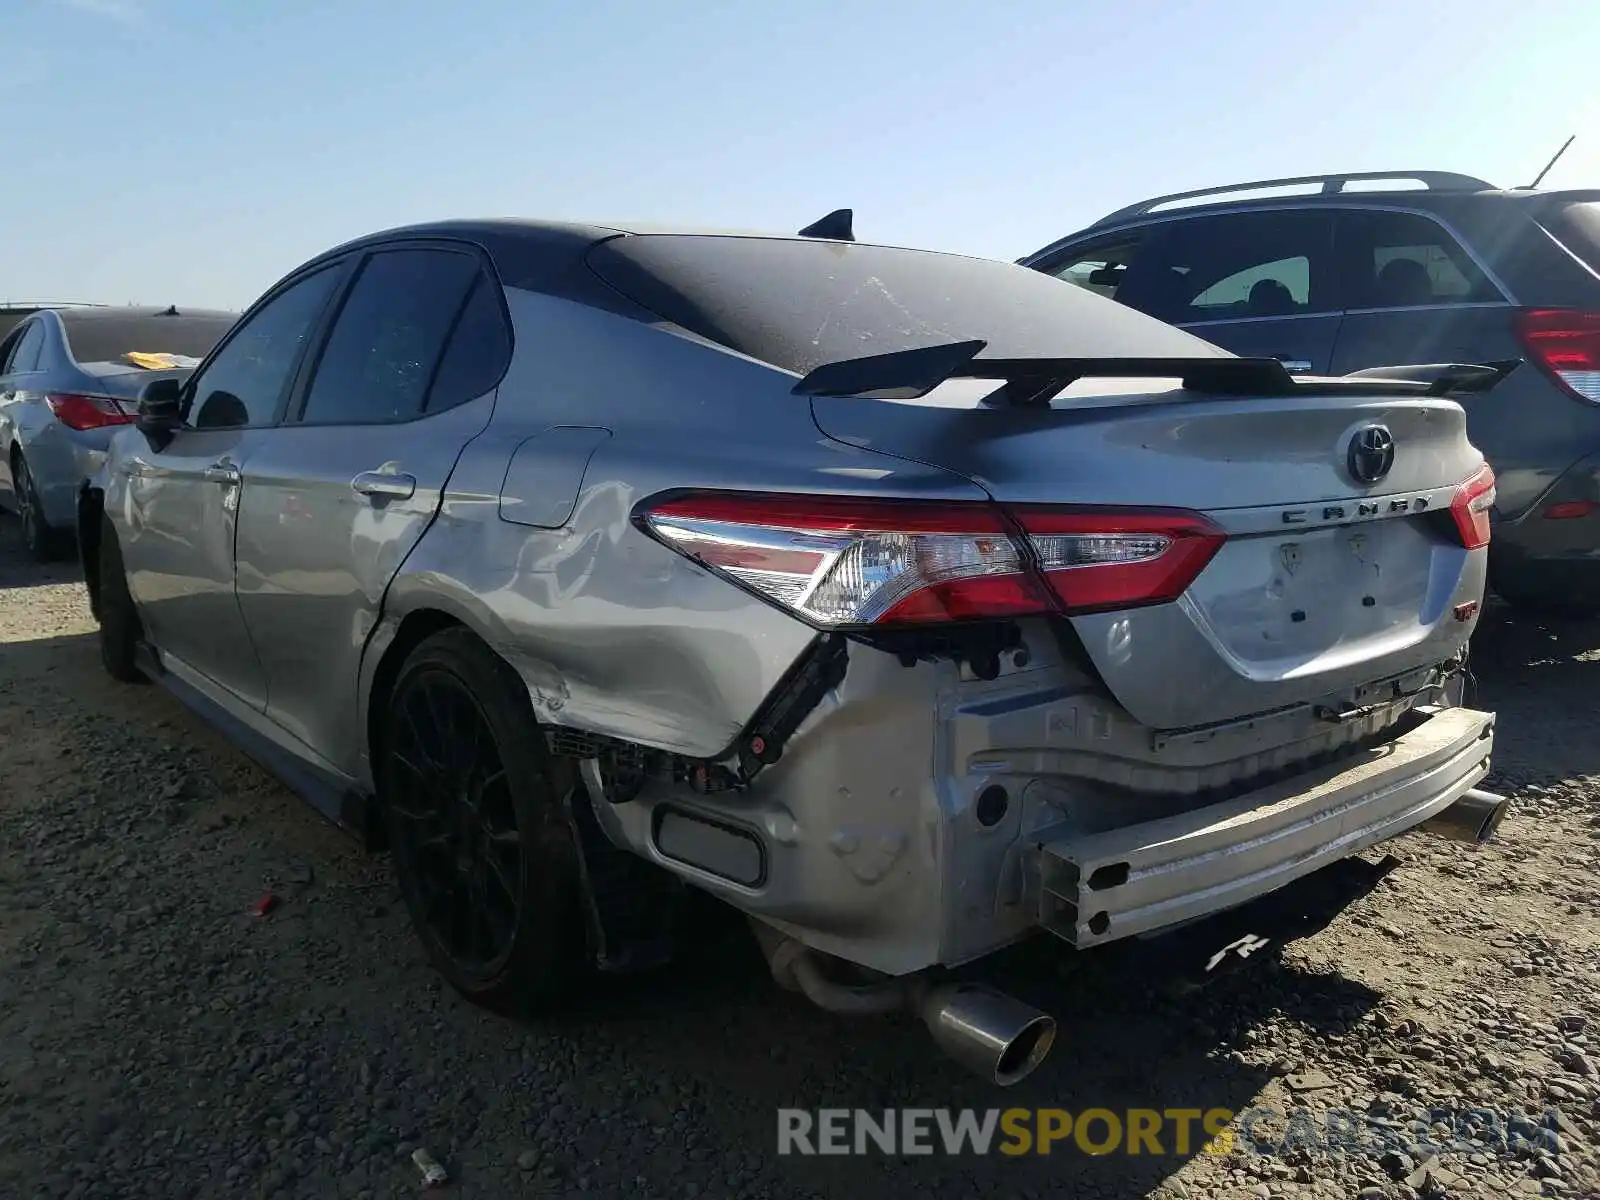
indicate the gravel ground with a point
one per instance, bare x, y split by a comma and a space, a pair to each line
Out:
157, 1039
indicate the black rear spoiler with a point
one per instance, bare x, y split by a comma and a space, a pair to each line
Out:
908, 374
1445, 379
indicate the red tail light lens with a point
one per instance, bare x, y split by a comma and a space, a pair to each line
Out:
836, 561
1120, 559
77, 411
1565, 342
1470, 509
1568, 510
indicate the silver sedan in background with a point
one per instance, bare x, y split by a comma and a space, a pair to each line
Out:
68, 378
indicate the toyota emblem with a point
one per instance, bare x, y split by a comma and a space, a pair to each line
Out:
1371, 454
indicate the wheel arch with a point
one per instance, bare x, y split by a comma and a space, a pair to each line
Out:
614, 938
409, 633
391, 644
14, 469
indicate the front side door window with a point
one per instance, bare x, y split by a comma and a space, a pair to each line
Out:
244, 384
1261, 283
1236, 267
1099, 267
179, 550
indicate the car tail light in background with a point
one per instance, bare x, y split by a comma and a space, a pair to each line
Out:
78, 411
1566, 343
837, 561
1568, 510
1470, 509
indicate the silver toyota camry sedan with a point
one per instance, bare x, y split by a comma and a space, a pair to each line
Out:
911, 604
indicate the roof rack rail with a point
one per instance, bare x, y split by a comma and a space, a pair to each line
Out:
1433, 181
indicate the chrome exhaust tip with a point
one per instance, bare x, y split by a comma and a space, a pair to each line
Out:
1474, 818
988, 1032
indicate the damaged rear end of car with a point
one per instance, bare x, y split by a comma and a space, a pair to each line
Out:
916, 605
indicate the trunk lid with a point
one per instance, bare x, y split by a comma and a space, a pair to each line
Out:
125, 382
1325, 583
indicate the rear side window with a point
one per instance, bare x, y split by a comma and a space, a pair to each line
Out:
25, 356
8, 322
1577, 227
1235, 266
1405, 260
478, 353
100, 337
388, 337
797, 304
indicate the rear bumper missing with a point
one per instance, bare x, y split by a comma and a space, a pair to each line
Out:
1105, 886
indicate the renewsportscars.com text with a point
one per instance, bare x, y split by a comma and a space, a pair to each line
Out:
1012, 1131
1153, 1131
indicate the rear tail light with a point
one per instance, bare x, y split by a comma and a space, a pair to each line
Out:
1568, 510
1118, 559
1565, 342
1470, 509
78, 411
835, 561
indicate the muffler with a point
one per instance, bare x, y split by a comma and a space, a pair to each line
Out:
1473, 818
986, 1031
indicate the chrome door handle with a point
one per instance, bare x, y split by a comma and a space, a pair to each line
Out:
224, 473
1295, 366
380, 485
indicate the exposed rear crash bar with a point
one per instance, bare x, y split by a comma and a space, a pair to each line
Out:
1101, 887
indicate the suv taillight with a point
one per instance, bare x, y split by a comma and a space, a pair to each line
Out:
78, 411
1470, 509
840, 562
1565, 342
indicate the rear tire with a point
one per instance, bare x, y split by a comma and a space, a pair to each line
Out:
120, 628
478, 828
43, 541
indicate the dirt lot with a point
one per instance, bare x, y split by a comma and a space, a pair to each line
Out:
156, 1039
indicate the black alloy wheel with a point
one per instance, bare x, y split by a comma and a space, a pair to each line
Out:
479, 835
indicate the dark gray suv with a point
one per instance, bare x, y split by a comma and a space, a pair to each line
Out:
1332, 274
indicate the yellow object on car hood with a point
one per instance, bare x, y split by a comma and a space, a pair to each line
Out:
151, 361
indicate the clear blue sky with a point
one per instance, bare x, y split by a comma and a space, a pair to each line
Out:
193, 151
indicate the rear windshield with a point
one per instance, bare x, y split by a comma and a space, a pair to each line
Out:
108, 337
1579, 231
798, 304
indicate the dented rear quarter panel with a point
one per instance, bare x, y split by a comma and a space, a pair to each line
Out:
612, 632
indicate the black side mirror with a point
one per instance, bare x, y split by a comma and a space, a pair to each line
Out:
160, 414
